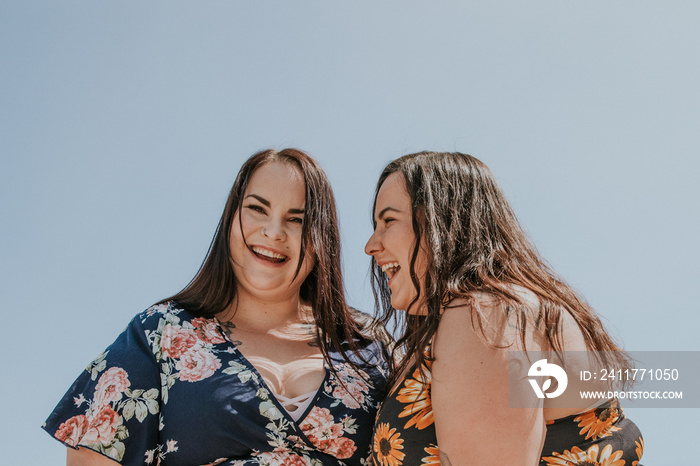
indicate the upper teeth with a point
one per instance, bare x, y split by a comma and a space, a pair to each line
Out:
265, 252
390, 265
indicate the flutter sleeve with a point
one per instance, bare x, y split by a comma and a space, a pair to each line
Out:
113, 406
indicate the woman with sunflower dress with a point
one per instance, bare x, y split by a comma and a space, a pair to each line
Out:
480, 306
258, 361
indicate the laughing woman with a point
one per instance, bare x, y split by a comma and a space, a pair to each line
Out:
257, 361
448, 250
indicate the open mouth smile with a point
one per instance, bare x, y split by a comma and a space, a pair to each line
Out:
268, 255
390, 269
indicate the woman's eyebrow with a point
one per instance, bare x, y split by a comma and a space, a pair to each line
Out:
266, 203
386, 209
262, 200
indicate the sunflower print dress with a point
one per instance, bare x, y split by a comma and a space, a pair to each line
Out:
173, 389
404, 432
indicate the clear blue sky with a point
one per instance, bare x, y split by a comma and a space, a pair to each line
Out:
123, 124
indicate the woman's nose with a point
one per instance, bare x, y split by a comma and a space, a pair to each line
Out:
373, 245
274, 230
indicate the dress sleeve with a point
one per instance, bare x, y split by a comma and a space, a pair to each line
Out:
113, 406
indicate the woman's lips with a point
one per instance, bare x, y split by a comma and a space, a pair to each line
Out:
391, 279
391, 269
267, 255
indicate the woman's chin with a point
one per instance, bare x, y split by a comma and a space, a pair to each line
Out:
399, 306
402, 306
417, 309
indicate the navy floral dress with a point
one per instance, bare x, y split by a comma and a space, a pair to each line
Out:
172, 389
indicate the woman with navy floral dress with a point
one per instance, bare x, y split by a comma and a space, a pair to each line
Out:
258, 361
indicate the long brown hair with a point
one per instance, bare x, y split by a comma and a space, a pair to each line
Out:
475, 244
213, 288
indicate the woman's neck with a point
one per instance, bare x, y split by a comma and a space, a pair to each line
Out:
262, 315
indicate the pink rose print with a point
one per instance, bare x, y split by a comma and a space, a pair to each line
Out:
176, 340
342, 448
353, 398
111, 386
162, 308
207, 330
197, 364
296, 460
352, 389
326, 435
319, 417
71, 431
102, 428
319, 425
282, 459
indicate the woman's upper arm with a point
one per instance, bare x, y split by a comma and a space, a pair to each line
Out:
469, 394
114, 406
86, 457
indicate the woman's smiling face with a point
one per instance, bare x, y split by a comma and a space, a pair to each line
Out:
392, 243
265, 245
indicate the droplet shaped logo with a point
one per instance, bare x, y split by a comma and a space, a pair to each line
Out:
542, 368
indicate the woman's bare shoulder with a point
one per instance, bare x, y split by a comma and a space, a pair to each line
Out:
498, 319
491, 302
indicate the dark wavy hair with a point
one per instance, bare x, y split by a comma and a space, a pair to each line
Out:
214, 286
475, 244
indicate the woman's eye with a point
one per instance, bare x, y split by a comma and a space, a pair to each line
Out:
256, 208
388, 220
298, 220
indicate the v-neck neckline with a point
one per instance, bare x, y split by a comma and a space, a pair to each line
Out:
263, 384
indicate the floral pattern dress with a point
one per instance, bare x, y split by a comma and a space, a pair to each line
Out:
173, 389
404, 432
